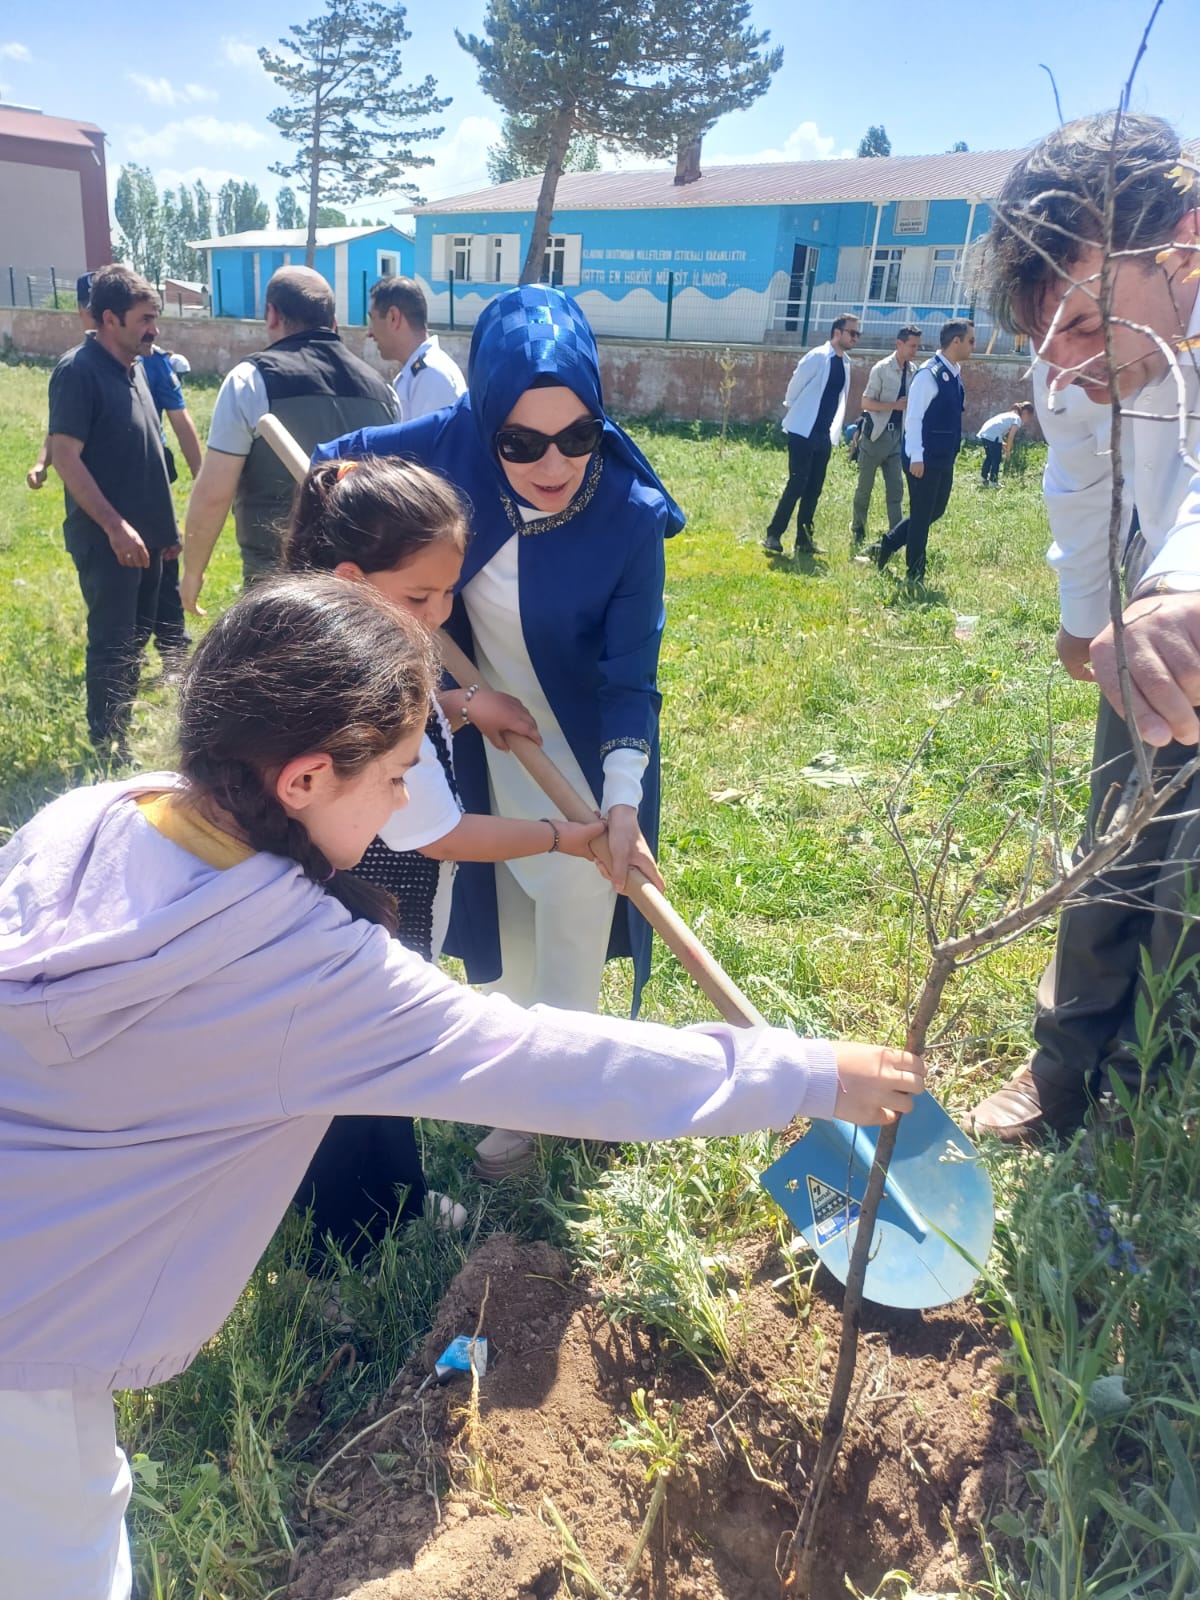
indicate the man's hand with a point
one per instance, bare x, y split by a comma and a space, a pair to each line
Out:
1162, 648
916, 469
1075, 655
127, 545
36, 476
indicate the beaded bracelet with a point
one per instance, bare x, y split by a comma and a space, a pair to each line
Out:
553, 826
462, 710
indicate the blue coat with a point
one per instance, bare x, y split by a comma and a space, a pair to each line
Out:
590, 581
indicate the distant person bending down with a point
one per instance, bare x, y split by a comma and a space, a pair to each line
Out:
385, 522
190, 989
315, 386
932, 439
998, 435
428, 379
814, 405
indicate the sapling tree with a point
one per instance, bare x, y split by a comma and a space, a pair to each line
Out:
354, 124
950, 901
649, 77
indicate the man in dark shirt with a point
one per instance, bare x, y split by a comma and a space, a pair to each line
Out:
106, 446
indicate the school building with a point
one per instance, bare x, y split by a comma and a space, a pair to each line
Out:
53, 205
349, 259
752, 254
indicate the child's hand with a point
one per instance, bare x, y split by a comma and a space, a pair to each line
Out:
875, 1084
497, 715
575, 838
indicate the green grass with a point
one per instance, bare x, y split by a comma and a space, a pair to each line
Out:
795, 699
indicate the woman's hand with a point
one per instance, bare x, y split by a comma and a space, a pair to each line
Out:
575, 838
629, 848
875, 1084
497, 715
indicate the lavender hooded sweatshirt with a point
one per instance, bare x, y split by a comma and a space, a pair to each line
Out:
174, 1040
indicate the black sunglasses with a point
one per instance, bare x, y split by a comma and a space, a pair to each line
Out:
523, 445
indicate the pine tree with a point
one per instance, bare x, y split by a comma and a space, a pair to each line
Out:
875, 141
644, 75
522, 149
349, 116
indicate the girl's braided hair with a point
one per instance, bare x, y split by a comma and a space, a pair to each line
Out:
377, 511
296, 667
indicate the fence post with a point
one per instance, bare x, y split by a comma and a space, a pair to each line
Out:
220, 295
812, 284
450, 275
364, 278
12, 287
670, 304
29, 290
54, 287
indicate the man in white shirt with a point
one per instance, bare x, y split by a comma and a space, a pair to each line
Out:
814, 406
885, 400
1046, 284
428, 378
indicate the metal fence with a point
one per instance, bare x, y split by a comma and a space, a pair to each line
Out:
53, 289
717, 307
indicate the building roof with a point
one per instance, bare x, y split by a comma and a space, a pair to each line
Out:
290, 238
960, 175
23, 122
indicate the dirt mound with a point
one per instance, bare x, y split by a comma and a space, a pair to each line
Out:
930, 1447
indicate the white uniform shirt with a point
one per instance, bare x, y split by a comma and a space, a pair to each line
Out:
428, 381
920, 398
802, 400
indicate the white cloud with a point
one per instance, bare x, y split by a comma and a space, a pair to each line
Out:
164, 142
162, 92
460, 160
14, 52
240, 54
805, 143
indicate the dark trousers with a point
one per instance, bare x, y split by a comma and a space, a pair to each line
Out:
1084, 1027
122, 603
928, 497
170, 629
352, 1180
993, 451
807, 461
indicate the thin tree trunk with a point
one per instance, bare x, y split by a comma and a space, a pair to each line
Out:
314, 187
560, 138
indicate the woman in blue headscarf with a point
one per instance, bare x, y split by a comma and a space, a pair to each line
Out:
560, 604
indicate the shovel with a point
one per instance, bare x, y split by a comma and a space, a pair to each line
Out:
937, 1216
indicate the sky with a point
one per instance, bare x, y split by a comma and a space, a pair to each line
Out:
180, 89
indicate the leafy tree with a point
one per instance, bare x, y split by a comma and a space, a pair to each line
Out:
204, 219
139, 215
644, 75
875, 141
330, 217
287, 209
349, 115
959, 144
523, 148
239, 208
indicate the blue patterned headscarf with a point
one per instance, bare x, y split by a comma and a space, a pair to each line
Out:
537, 332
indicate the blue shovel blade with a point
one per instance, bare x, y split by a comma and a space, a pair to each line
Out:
936, 1217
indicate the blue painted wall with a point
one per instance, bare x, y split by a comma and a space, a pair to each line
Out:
233, 272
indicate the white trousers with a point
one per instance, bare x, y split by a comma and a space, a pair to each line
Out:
555, 917
64, 1486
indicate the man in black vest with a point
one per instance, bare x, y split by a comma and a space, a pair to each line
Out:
318, 390
932, 436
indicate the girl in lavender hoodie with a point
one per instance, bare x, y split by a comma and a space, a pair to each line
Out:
192, 985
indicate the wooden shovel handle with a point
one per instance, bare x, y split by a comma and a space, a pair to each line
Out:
674, 932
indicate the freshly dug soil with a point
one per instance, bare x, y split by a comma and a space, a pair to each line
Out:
930, 1448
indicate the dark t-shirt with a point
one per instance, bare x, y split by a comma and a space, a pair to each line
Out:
827, 410
97, 399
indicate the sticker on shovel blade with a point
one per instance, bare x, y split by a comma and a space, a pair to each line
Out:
833, 1212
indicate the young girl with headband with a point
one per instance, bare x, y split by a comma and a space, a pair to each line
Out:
402, 530
192, 984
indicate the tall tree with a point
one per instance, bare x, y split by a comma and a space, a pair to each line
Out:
139, 215
524, 144
204, 216
287, 209
875, 141
239, 208
187, 263
349, 116
645, 75
330, 217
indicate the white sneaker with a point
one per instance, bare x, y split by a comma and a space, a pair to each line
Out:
447, 1215
503, 1154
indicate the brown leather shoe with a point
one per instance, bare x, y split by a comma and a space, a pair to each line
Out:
1014, 1114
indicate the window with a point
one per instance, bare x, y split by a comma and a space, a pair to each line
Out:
912, 216
946, 266
389, 264
554, 263
496, 258
885, 276
460, 256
